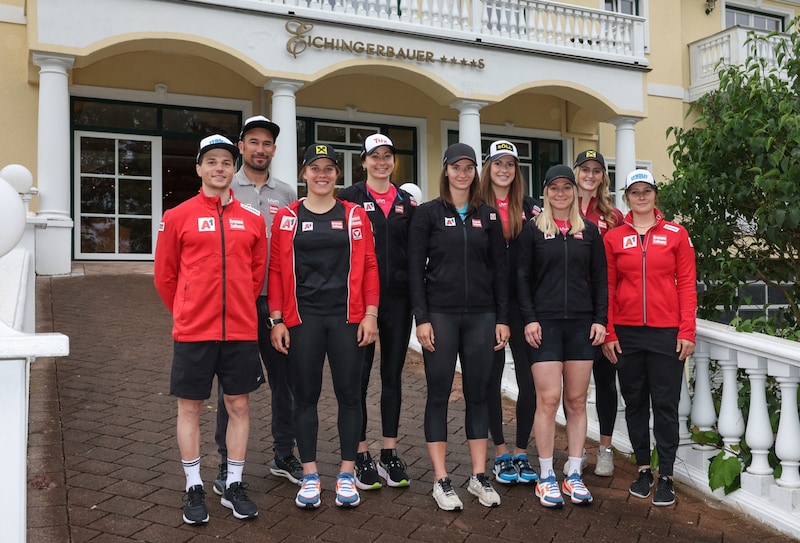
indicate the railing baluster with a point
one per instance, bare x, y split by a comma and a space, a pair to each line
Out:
731, 423
684, 410
787, 443
758, 435
703, 414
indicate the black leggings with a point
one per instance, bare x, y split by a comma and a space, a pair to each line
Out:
526, 398
394, 328
605, 390
310, 342
470, 336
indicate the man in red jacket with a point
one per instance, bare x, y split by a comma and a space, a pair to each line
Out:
210, 262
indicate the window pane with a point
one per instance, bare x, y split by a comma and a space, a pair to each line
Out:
97, 195
135, 236
328, 133
97, 235
403, 138
180, 181
403, 169
134, 197
114, 115
191, 121
97, 156
358, 135
135, 158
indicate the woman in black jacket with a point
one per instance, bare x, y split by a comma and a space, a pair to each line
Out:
459, 298
563, 297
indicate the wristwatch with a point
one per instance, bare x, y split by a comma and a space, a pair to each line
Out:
272, 322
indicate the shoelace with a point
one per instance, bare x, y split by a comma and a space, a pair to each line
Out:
238, 491
293, 463
550, 486
506, 465
310, 484
484, 481
524, 465
577, 485
345, 485
194, 497
396, 463
447, 486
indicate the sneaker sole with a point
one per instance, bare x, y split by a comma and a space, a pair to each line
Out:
502, 481
663, 504
545, 503
218, 489
279, 473
373, 486
237, 514
347, 505
454, 508
528, 481
389, 482
305, 505
195, 522
642, 496
603, 472
480, 499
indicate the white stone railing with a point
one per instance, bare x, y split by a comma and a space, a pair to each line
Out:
19, 346
524, 24
729, 47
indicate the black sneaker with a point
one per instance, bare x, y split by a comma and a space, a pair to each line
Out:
289, 467
195, 512
642, 485
394, 471
221, 480
665, 492
367, 477
235, 499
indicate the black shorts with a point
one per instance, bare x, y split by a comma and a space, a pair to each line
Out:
235, 363
565, 339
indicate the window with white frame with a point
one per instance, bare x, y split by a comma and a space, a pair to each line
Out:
736, 16
628, 7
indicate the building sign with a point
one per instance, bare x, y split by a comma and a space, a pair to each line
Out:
302, 39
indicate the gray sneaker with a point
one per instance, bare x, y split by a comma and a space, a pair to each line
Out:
221, 480
445, 496
481, 488
605, 462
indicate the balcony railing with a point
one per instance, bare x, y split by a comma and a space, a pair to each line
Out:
522, 24
728, 46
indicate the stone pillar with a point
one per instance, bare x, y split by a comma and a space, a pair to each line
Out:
54, 241
469, 124
284, 114
625, 156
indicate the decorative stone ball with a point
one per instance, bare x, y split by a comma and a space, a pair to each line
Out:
12, 217
18, 176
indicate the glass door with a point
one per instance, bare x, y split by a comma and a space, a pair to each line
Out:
117, 195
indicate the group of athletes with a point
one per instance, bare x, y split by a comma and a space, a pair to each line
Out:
568, 284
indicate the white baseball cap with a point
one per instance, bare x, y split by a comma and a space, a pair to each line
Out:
640, 176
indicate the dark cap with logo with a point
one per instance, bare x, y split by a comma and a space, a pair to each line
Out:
317, 151
590, 155
557, 172
459, 151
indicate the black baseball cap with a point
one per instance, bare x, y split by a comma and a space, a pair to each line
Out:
459, 151
590, 155
558, 171
317, 151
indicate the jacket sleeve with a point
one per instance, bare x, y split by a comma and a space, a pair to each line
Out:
275, 280
259, 264
599, 278
611, 271
525, 273
372, 282
167, 261
499, 263
418, 240
686, 276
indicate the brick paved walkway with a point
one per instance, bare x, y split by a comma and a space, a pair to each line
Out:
103, 461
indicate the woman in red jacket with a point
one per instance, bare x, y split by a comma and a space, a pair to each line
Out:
323, 298
652, 303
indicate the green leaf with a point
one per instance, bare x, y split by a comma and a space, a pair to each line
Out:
724, 472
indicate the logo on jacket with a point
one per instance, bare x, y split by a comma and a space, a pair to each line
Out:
273, 209
476, 223
449, 221
660, 240
492, 216
236, 224
337, 225
398, 209
161, 226
369, 206
357, 233
287, 223
549, 236
578, 235
206, 224
629, 242
308, 226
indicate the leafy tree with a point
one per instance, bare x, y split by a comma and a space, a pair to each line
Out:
736, 180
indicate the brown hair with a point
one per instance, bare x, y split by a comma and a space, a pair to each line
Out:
474, 201
602, 202
516, 192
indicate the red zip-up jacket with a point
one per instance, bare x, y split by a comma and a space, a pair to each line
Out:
210, 264
651, 282
363, 283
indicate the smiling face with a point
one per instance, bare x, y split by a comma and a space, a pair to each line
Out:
257, 149
590, 176
320, 177
379, 164
216, 170
560, 194
502, 172
641, 198
461, 174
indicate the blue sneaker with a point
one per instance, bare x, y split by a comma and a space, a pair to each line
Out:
548, 492
504, 471
308, 495
346, 492
525, 473
574, 488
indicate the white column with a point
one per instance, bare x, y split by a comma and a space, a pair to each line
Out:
469, 124
625, 160
284, 114
54, 242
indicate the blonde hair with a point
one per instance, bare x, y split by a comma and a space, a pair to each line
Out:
515, 195
547, 224
602, 202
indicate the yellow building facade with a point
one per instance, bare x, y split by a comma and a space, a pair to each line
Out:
105, 101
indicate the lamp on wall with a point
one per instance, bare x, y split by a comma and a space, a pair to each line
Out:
710, 5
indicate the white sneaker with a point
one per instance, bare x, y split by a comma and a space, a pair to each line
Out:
446, 498
480, 487
605, 462
584, 463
